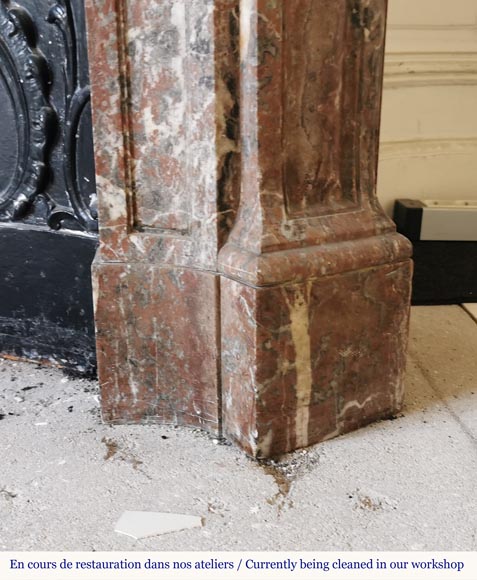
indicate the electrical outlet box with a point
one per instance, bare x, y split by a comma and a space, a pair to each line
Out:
444, 237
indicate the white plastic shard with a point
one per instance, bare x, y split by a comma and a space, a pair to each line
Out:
141, 525
471, 309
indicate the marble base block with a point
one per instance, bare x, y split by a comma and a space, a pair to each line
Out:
158, 345
304, 362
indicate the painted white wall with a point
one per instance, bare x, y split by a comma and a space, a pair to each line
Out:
429, 123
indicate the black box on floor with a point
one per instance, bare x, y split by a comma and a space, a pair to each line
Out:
445, 270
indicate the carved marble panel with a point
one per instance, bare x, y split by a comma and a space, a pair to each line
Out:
165, 88
159, 87
330, 47
311, 96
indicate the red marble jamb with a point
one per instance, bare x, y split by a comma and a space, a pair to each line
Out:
165, 105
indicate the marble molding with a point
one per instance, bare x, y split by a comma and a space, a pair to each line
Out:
248, 281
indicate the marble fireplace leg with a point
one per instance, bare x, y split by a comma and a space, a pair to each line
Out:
248, 282
315, 282
165, 108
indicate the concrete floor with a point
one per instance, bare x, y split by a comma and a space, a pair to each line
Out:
406, 484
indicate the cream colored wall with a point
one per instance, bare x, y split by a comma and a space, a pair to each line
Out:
429, 124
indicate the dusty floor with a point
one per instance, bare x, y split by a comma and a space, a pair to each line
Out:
407, 484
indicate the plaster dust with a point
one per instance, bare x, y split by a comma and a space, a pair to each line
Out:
406, 484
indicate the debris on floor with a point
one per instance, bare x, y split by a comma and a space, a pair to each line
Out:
406, 484
141, 525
